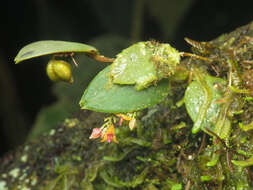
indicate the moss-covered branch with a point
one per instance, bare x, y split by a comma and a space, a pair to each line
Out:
162, 152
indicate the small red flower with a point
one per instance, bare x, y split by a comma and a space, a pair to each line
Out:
109, 135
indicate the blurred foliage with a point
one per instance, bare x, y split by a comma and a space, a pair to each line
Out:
169, 14
115, 16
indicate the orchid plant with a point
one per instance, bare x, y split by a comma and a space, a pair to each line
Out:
139, 77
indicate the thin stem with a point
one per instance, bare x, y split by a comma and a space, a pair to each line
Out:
101, 58
74, 61
203, 143
195, 56
229, 162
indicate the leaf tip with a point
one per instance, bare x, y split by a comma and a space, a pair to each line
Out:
16, 61
82, 105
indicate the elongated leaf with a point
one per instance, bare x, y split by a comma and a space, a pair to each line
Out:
47, 47
243, 163
104, 96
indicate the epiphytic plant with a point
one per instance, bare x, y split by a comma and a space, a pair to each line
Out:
140, 77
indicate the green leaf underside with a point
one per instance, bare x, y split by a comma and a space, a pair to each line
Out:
104, 96
195, 97
144, 64
48, 47
134, 65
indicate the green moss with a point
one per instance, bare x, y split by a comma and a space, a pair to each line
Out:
161, 153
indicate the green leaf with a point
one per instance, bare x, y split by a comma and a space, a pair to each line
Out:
134, 66
176, 187
200, 101
48, 47
144, 64
68, 96
104, 96
243, 163
247, 127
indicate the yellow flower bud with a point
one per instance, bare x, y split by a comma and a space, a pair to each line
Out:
59, 70
132, 124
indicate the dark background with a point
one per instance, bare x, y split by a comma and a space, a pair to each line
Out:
111, 25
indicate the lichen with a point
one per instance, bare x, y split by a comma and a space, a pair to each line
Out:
14, 172
24, 158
